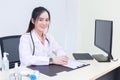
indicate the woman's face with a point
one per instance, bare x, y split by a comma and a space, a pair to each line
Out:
42, 22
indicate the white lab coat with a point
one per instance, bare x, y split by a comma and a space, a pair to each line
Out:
42, 52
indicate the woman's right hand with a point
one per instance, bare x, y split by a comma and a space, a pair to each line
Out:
61, 60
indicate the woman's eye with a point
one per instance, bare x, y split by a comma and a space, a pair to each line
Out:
47, 19
40, 19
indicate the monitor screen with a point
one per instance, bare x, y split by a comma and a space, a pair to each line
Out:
103, 36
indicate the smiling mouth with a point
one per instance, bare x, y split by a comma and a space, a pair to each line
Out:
43, 27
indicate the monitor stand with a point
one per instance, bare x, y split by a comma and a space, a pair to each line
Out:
101, 58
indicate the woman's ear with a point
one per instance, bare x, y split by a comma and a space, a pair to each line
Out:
32, 20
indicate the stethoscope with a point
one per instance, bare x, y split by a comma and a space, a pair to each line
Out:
34, 43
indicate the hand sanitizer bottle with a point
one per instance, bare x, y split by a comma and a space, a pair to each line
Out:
5, 62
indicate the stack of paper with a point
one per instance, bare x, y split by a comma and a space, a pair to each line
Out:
75, 64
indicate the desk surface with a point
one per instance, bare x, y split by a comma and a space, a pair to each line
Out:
91, 72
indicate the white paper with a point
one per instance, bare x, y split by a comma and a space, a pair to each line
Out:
75, 64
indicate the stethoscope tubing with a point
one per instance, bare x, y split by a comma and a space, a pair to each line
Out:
34, 43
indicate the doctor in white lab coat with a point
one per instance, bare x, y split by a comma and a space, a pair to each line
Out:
37, 47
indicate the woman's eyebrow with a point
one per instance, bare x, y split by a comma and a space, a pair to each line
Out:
43, 18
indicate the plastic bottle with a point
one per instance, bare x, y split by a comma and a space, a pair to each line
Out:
5, 62
16, 66
17, 75
37, 74
1, 62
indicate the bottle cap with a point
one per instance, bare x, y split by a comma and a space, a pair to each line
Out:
16, 65
32, 76
5, 55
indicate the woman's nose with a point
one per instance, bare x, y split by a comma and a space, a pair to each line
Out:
44, 22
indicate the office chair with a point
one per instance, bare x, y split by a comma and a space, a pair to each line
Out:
10, 44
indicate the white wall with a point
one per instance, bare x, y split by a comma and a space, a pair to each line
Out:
98, 9
72, 37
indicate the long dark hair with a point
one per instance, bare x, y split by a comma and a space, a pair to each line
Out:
35, 14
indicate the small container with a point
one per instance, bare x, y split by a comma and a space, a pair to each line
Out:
5, 66
32, 77
37, 73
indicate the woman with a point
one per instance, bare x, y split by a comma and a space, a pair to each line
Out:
37, 47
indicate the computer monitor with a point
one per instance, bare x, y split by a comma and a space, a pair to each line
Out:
103, 36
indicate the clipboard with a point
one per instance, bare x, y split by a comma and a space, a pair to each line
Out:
52, 70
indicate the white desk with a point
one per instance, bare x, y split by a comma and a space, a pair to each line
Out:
91, 72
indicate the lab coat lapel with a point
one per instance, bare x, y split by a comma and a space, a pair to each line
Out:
38, 44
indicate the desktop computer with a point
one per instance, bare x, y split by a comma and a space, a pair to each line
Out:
103, 39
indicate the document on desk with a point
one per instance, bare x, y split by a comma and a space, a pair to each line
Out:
75, 64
